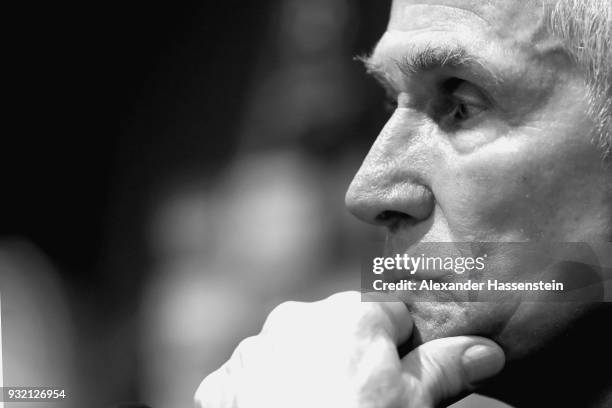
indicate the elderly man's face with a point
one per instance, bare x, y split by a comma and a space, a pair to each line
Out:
489, 142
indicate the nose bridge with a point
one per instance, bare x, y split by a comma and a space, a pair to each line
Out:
393, 176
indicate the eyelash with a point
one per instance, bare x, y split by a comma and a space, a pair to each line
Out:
460, 111
455, 108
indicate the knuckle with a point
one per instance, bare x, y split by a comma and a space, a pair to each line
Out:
369, 314
207, 394
247, 347
343, 306
348, 310
344, 297
379, 375
282, 314
246, 344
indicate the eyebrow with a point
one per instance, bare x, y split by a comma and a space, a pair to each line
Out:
423, 59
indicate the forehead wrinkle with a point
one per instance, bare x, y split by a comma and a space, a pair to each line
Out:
407, 11
482, 18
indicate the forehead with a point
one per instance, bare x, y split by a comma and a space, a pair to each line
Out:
507, 38
519, 20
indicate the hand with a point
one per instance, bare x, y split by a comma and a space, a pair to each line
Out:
342, 352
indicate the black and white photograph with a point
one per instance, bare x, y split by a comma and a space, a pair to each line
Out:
307, 204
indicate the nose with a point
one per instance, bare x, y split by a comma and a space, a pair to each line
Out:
391, 185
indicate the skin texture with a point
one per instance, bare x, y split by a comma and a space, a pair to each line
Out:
519, 166
342, 352
489, 143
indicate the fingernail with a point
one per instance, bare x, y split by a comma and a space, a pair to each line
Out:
481, 362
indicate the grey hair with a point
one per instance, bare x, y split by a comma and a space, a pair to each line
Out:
585, 26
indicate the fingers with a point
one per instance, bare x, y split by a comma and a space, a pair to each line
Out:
344, 349
374, 311
215, 391
320, 344
392, 315
448, 368
219, 389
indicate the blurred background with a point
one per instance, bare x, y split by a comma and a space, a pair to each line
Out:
136, 254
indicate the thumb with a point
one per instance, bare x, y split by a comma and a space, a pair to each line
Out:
446, 369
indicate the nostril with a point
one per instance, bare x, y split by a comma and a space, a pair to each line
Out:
391, 218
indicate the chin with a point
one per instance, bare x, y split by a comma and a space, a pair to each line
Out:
433, 320
522, 324
522, 329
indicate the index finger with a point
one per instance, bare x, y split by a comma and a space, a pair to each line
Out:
399, 322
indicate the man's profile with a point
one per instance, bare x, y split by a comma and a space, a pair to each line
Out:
501, 132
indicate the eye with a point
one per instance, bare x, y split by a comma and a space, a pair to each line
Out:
464, 102
462, 111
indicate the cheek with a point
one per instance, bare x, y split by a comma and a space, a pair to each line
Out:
544, 181
496, 199
525, 187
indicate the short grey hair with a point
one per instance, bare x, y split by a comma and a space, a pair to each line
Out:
585, 26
